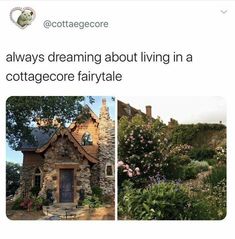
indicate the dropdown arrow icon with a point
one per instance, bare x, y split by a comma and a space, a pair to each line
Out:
223, 11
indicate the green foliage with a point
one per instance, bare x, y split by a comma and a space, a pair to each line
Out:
22, 112
30, 203
212, 161
217, 175
163, 201
193, 168
12, 178
97, 191
200, 154
34, 191
92, 201
185, 133
221, 154
17, 203
175, 162
150, 195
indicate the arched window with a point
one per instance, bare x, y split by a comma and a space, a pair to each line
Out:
37, 178
109, 170
87, 139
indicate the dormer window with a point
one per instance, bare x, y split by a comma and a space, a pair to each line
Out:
87, 139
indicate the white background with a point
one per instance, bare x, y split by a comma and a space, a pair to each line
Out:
187, 27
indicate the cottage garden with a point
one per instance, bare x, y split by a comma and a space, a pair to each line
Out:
171, 172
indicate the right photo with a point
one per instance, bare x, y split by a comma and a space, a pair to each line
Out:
172, 158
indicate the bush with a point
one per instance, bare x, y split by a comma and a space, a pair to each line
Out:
212, 162
171, 201
31, 203
141, 144
194, 168
159, 202
34, 191
97, 191
200, 154
16, 204
217, 175
92, 201
176, 160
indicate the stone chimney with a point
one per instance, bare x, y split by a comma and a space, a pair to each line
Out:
149, 111
104, 111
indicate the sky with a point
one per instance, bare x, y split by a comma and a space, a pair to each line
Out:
185, 109
17, 156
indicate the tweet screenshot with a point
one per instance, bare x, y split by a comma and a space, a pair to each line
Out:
117, 118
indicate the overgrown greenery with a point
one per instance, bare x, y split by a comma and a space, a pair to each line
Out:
96, 199
155, 166
12, 178
185, 133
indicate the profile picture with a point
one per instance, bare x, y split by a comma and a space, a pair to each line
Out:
22, 17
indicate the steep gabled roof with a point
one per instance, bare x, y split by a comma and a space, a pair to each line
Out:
41, 137
66, 132
92, 114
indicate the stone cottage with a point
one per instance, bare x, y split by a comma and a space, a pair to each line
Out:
66, 160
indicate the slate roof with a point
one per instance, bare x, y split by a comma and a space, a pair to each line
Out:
41, 137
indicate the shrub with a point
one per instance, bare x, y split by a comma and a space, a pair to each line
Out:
174, 168
176, 160
31, 203
161, 201
221, 154
17, 203
39, 202
97, 191
217, 175
212, 161
195, 167
92, 201
141, 144
200, 154
171, 201
34, 191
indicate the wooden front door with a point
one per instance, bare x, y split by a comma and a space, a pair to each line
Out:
66, 185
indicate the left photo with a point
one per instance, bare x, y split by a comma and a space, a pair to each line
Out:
60, 158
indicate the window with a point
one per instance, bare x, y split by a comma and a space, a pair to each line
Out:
87, 139
37, 178
109, 170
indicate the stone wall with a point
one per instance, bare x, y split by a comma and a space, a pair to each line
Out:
31, 161
106, 153
63, 154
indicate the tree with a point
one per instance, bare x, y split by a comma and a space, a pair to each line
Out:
23, 112
12, 178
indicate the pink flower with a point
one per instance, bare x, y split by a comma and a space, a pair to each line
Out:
130, 174
120, 163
